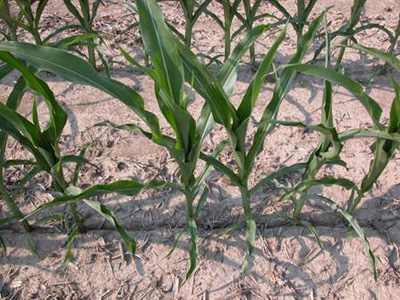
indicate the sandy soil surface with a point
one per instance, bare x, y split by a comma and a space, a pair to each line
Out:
288, 263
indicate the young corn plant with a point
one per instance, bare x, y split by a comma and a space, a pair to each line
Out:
384, 148
29, 20
387, 137
86, 19
387, 142
349, 31
230, 11
43, 145
301, 19
25, 19
236, 122
248, 21
192, 11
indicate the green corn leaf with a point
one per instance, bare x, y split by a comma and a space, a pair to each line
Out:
60, 30
312, 230
75, 69
85, 9
110, 217
250, 97
372, 107
5, 69
200, 10
353, 223
20, 124
319, 156
178, 239
386, 57
58, 117
122, 187
394, 117
202, 201
188, 7
104, 60
68, 256
280, 8
3, 246
13, 102
180, 120
221, 167
368, 133
356, 11
17, 162
227, 74
384, 149
39, 10
325, 181
149, 71
73, 40
222, 110
5, 11
193, 251
227, 77
72, 9
281, 88
204, 125
79, 160
160, 44
95, 8
35, 118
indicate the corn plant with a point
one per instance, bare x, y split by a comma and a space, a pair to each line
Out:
349, 31
86, 19
299, 21
191, 16
248, 21
29, 21
383, 149
5, 15
25, 19
230, 11
328, 150
236, 122
43, 145
387, 137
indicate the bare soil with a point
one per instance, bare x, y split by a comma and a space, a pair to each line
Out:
288, 263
